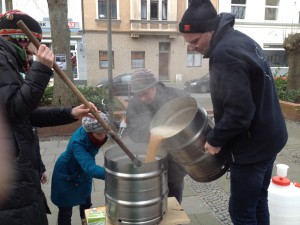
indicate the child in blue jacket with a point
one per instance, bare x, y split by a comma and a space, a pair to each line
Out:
76, 167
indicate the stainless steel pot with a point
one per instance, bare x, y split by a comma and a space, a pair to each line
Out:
135, 195
186, 145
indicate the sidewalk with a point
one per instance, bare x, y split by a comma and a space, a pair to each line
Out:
204, 203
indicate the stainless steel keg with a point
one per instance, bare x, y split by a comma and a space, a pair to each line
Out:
135, 195
186, 145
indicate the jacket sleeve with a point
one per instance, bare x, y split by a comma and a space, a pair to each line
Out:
47, 116
87, 161
18, 96
138, 122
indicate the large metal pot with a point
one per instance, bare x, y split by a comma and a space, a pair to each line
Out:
186, 145
135, 195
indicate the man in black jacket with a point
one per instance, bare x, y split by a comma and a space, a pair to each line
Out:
249, 125
21, 89
149, 96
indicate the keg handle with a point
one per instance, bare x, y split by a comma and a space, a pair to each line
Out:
73, 88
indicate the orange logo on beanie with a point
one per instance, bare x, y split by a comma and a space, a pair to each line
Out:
187, 27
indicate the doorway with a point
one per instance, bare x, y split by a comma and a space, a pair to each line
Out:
164, 49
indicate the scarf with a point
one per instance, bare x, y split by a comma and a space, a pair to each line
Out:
97, 142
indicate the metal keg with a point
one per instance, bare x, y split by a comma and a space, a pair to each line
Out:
135, 195
190, 125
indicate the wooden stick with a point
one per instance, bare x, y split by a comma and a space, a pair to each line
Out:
70, 84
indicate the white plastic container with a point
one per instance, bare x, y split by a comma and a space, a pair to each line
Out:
284, 201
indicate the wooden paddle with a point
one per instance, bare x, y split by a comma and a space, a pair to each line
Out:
70, 84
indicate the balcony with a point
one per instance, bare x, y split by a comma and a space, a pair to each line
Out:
153, 27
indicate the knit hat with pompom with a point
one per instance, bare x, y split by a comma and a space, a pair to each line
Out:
92, 125
9, 27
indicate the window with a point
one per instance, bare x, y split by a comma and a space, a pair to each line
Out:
276, 58
238, 7
164, 14
8, 6
143, 9
158, 9
154, 9
137, 60
193, 59
271, 10
103, 58
102, 9
164, 46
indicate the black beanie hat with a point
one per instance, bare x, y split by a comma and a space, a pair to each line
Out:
8, 25
200, 17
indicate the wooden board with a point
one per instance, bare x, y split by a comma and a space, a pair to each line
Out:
174, 215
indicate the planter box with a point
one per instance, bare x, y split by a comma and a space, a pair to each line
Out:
291, 111
62, 130
68, 129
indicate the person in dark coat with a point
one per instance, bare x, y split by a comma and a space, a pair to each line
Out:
75, 169
249, 125
149, 96
6, 166
21, 88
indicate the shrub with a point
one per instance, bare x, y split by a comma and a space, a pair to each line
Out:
284, 94
93, 94
47, 97
98, 96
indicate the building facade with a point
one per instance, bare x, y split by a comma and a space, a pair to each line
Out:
145, 34
268, 22
39, 11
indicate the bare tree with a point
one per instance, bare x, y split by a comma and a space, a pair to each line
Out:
60, 34
292, 47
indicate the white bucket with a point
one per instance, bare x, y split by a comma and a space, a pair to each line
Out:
284, 202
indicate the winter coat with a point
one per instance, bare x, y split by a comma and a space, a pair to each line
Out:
139, 116
19, 98
249, 124
74, 170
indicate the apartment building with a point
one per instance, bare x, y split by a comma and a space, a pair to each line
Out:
145, 34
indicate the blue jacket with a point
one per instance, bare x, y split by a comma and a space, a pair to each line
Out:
248, 120
74, 170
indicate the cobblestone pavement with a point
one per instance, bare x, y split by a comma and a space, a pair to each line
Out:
214, 197
204, 203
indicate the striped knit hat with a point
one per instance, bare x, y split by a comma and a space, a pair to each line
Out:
9, 27
141, 80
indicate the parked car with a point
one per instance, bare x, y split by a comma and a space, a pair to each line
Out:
121, 84
200, 85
